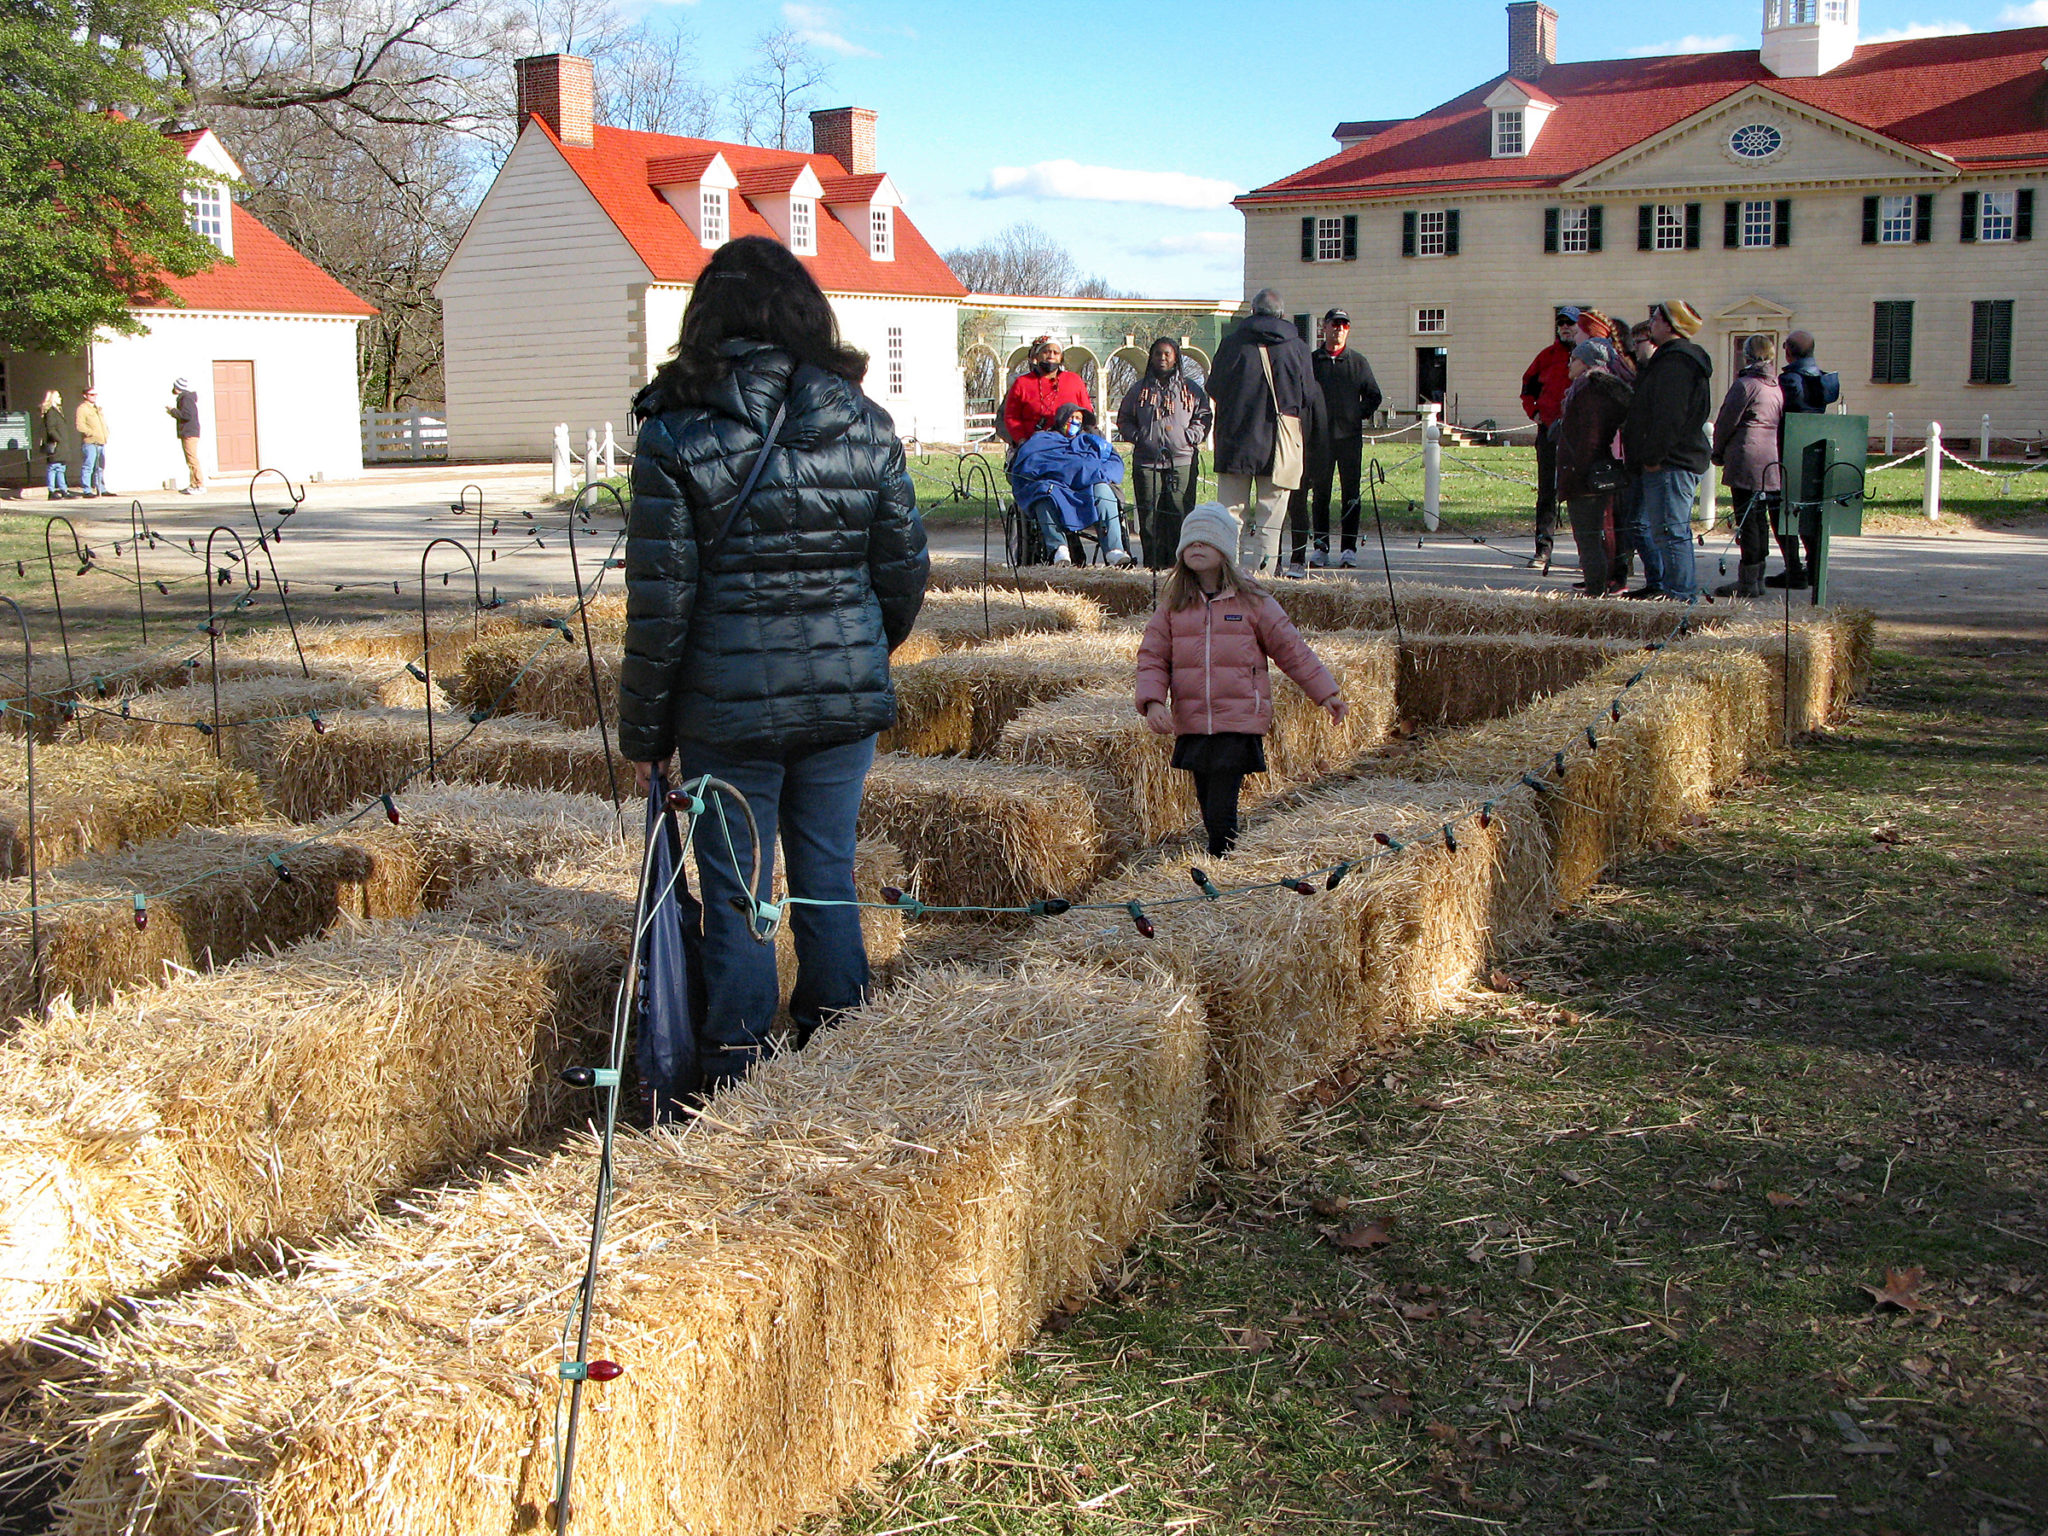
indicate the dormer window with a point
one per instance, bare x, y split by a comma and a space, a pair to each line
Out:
1508, 132
711, 215
206, 213
803, 226
882, 233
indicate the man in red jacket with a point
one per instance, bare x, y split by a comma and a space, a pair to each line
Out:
1039, 392
1543, 387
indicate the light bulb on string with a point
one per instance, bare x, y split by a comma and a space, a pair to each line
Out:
141, 910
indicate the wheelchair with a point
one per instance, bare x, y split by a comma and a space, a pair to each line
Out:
1024, 545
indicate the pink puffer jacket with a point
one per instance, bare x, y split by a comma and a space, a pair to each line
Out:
1210, 659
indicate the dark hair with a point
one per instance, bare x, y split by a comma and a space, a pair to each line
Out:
754, 289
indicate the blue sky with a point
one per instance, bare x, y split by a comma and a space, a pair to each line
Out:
1124, 128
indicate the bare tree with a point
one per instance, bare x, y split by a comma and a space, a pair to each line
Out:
1024, 259
651, 82
772, 100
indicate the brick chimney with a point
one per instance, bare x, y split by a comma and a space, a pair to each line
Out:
560, 89
848, 135
1532, 39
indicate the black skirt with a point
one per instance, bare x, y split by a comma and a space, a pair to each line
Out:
1224, 752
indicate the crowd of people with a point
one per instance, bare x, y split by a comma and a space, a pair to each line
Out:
89, 424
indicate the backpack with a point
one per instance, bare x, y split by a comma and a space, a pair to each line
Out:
1821, 390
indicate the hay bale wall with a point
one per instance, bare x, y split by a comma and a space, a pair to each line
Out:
1129, 593
1451, 681
958, 703
282, 1097
954, 620
799, 1283
93, 797
171, 717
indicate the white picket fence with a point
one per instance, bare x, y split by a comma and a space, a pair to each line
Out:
403, 437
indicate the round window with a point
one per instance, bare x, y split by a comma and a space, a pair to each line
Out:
1756, 141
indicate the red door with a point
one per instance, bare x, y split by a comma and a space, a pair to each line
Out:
234, 417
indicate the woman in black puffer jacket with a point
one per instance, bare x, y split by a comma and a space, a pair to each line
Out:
761, 655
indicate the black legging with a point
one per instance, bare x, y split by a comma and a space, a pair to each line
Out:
1217, 793
1752, 516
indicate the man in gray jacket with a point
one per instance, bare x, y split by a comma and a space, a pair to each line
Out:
1164, 417
1249, 404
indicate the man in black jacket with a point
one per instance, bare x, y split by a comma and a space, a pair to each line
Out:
1809, 391
1350, 397
1247, 431
1665, 438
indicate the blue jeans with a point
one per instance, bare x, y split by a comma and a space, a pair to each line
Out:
53, 476
812, 799
92, 467
1107, 513
1667, 519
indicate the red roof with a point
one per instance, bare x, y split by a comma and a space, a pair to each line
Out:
266, 276
769, 180
1977, 99
616, 170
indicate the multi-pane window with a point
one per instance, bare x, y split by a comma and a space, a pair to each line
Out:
1895, 220
1991, 341
1432, 320
206, 213
881, 233
895, 359
1995, 216
1804, 13
1508, 131
1429, 236
1330, 239
1574, 230
1759, 223
711, 214
1669, 229
1891, 341
803, 236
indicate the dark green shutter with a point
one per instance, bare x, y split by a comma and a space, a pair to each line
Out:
2023, 214
1308, 238
1408, 234
1923, 219
1692, 226
1991, 341
1781, 230
1351, 237
1550, 231
1731, 225
1595, 232
1646, 226
1870, 221
1450, 232
1891, 341
1969, 234
1305, 325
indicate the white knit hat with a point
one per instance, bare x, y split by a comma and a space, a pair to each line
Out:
1210, 523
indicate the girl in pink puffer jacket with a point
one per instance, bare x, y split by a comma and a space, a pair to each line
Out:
1206, 649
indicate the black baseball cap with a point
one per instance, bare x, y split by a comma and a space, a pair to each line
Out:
1335, 317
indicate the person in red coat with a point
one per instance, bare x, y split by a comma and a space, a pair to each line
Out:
1036, 395
1543, 386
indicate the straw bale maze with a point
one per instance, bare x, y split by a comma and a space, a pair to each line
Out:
293, 1197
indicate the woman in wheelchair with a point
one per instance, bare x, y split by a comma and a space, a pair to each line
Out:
1066, 478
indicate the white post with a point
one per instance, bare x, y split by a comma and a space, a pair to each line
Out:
589, 454
611, 452
415, 441
559, 479
369, 437
1932, 495
1889, 424
1432, 466
1710, 494
1984, 439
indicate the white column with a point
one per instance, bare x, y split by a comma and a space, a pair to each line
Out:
559, 479
589, 455
610, 451
1984, 439
1432, 466
1890, 422
1932, 495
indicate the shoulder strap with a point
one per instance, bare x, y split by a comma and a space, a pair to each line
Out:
739, 505
1266, 362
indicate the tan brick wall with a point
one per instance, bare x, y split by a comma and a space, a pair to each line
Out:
848, 135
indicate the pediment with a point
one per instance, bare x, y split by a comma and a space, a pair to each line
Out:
1755, 313
1788, 143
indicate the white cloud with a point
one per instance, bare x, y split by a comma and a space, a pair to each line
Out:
1693, 42
2033, 14
1204, 243
816, 25
1913, 29
1107, 184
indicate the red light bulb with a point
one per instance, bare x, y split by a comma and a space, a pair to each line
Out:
606, 1370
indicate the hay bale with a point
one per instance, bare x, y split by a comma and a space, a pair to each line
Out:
989, 834
1855, 646
1809, 654
1305, 743
92, 797
313, 773
284, 1096
101, 682
801, 1282
1459, 680
1436, 610
520, 672
1127, 593
958, 703
390, 642
171, 717
954, 620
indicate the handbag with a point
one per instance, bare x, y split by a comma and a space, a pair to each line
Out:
1287, 446
1605, 475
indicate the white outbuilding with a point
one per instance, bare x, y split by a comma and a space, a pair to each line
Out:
568, 288
266, 338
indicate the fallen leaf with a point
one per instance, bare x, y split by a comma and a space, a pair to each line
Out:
1782, 1200
1848, 1162
1395, 1406
1720, 1184
1327, 1206
1437, 1429
1525, 1266
1364, 1235
1887, 835
1257, 1340
1695, 819
1571, 1176
1901, 1289
1918, 1365
1501, 981
1477, 1252
1420, 1311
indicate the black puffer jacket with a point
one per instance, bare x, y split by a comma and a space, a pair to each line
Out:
780, 643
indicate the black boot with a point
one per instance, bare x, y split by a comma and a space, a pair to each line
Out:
1794, 574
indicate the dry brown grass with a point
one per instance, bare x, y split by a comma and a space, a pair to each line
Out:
282, 1097
93, 797
1458, 680
801, 1282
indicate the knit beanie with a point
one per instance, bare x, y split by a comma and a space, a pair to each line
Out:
1210, 523
1683, 318
1595, 354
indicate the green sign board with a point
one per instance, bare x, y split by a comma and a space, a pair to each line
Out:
1824, 459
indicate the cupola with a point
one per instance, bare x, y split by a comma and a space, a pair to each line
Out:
1806, 38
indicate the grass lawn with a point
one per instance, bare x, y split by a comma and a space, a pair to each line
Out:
1727, 1212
